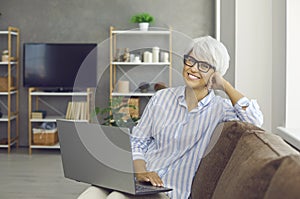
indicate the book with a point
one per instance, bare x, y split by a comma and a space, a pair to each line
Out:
38, 114
77, 111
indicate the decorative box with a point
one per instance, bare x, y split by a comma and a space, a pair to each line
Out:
4, 85
5, 58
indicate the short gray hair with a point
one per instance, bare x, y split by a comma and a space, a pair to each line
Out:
212, 51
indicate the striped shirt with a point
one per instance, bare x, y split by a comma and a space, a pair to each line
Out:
173, 140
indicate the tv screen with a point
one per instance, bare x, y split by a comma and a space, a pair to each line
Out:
60, 66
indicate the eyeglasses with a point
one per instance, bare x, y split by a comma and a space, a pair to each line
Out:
201, 65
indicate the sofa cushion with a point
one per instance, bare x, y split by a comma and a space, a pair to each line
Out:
252, 165
286, 181
218, 153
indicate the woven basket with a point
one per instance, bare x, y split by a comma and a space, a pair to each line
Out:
45, 137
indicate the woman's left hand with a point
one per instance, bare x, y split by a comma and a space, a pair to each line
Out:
216, 82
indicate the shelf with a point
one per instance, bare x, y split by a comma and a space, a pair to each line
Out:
149, 32
6, 145
4, 118
47, 119
41, 93
6, 62
56, 146
132, 94
7, 32
142, 63
52, 119
10, 92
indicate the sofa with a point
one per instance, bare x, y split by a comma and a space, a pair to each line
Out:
244, 161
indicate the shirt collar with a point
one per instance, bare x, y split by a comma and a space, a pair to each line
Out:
205, 101
180, 93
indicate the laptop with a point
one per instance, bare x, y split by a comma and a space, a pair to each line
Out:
101, 156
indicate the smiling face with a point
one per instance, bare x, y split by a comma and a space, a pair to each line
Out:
194, 78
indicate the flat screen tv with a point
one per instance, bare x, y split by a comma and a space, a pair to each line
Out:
61, 66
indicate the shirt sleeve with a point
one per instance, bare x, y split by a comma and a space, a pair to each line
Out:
251, 114
141, 134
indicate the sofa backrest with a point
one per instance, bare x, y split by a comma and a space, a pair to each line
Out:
219, 151
241, 163
252, 166
286, 181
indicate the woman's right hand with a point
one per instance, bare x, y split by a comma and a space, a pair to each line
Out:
151, 177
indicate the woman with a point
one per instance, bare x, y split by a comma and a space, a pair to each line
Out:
170, 140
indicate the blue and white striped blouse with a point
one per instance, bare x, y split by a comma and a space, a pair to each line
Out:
173, 140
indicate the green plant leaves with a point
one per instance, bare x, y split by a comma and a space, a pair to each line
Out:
141, 18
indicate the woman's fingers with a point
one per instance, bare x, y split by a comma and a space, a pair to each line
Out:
151, 177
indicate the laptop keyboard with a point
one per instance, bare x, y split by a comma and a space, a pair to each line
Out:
143, 188
140, 188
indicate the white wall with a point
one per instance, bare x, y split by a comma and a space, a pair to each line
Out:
251, 48
293, 65
253, 71
227, 34
279, 64
263, 38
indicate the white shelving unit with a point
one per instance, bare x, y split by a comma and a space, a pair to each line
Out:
33, 100
9, 97
117, 36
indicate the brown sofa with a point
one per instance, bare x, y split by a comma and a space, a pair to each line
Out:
244, 161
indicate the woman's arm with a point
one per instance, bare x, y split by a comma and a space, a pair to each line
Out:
246, 110
140, 141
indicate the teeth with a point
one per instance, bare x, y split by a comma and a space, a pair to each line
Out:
193, 76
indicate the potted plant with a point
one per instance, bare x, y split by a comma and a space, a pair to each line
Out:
143, 19
114, 116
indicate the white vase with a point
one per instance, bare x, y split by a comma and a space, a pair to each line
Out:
144, 26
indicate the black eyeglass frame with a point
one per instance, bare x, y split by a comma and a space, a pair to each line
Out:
185, 57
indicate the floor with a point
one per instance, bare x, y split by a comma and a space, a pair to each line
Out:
36, 176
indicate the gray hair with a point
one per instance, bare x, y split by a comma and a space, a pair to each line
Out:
212, 51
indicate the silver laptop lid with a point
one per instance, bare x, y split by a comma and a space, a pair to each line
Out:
97, 154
